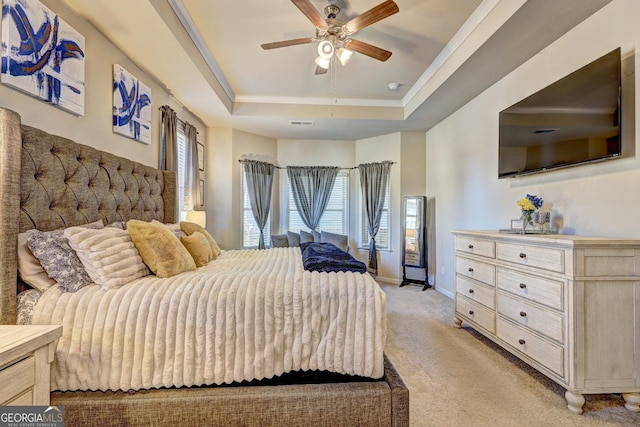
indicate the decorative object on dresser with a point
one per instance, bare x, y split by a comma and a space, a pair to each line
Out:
26, 353
414, 240
566, 305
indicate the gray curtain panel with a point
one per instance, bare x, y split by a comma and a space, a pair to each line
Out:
373, 183
168, 139
259, 177
192, 172
311, 187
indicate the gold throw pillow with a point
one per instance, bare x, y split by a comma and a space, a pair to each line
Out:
198, 247
160, 249
189, 228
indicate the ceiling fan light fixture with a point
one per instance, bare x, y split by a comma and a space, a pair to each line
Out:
344, 55
323, 62
325, 49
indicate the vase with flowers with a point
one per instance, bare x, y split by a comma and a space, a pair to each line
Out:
528, 205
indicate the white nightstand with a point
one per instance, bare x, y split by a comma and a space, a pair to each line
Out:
26, 353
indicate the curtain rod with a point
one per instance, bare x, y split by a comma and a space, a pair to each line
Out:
279, 167
182, 122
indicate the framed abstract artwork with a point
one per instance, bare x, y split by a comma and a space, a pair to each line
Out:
42, 55
131, 106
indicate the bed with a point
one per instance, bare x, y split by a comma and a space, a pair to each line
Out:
49, 182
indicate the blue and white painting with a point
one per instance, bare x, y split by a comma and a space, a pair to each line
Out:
42, 55
131, 106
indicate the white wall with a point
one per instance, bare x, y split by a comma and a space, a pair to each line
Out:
462, 151
95, 127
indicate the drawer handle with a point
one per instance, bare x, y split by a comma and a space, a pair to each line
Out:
471, 312
470, 246
522, 286
521, 341
470, 270
471, 291
523, 314
523, 255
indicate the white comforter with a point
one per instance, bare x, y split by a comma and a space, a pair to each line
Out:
248, 315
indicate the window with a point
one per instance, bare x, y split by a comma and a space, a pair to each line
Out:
336, 216
183, 195
250, 230
382, 238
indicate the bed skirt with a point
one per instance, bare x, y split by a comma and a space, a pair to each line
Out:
318, 399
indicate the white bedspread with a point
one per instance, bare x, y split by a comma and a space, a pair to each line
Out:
248, 315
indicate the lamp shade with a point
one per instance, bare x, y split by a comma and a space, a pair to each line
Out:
344, 55
197, 217
323, 62
325, 49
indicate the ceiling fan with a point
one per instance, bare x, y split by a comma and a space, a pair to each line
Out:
334, 34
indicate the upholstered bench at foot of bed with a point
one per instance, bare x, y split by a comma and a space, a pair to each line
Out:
363, 402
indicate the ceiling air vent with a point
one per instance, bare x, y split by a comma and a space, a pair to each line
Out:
544, 130
300, 122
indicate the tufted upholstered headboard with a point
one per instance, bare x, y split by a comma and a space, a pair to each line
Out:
49, 182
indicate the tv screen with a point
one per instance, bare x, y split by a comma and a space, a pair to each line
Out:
573, 121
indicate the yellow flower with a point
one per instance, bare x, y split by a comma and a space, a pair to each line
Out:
526, 205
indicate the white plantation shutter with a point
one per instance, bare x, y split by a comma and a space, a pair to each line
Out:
382, 238
183, 195
336, 216
250, 230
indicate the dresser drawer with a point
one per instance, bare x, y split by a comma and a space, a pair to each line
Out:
480, 247
476, 291
541, 320
532, 256
480, 271
542, 351
538, 289
475, 312
20, 375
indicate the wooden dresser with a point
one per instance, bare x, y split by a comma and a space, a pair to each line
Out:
567, 305
26, 353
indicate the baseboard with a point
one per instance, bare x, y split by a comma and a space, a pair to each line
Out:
389, 280
445, 292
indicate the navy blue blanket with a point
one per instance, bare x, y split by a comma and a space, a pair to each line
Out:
328, 257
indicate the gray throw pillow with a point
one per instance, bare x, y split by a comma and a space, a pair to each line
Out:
58, 259
316, 236
279, 241
337, 239
305, 237
293, 239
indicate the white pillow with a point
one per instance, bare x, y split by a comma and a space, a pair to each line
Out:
109, 256
30, 270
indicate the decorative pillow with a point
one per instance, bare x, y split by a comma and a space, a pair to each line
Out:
198, 247
122, 225
30, 270
108, 255
279, 241
190, 228
316, 236
337, 239
293, 239
174, 228
160, 249
305, 237
26, 306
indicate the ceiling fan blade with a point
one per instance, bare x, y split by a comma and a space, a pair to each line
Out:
311, 12
372, 16
367, 49
285, 43
320, 70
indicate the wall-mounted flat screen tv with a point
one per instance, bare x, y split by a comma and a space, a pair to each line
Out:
573, 121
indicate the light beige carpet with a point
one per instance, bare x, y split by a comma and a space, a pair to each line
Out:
456, 377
